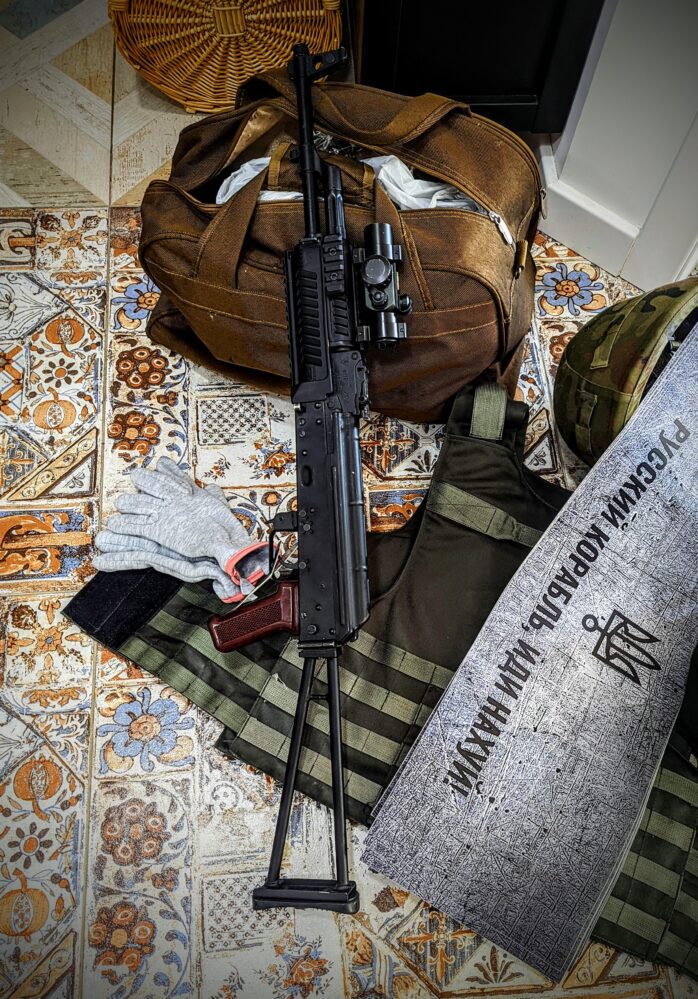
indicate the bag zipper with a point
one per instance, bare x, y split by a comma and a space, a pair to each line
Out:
474, 208
478, 209
502, 226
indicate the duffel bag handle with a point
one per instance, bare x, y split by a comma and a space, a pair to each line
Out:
414, 118
221, 244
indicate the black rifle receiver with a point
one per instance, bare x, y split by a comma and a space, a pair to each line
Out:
339, 299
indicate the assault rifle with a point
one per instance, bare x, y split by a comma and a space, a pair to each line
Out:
339, 298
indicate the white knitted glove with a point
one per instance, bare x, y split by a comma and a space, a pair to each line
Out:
120, 552
177, 527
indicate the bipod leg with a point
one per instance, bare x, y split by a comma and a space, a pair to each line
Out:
337, 763
339, 895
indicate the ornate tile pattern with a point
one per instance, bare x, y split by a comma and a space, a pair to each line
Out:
228, 924
144, 892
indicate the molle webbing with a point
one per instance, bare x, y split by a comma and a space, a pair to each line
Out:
256, 700
653, 909
479, 515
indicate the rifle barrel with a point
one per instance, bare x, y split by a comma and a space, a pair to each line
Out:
302, 69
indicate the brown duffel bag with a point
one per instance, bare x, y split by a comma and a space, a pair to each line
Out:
469, 272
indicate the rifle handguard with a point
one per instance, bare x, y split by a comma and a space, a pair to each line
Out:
277, 612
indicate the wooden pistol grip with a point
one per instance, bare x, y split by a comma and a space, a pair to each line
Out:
278, 612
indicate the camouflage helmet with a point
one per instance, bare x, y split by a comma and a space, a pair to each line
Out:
607, 367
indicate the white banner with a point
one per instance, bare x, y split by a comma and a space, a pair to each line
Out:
516, 805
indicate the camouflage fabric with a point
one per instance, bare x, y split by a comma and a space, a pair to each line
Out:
609, 364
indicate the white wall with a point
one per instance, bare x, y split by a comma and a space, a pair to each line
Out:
623, 177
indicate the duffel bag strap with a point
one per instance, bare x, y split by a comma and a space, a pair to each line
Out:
416, 116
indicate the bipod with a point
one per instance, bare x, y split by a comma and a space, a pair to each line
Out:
339, 895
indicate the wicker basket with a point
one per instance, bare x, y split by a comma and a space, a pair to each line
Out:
199, 52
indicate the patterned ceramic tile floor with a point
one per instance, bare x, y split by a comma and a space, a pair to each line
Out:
126, 875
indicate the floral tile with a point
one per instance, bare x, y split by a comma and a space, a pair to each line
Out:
553, 337
435, 946
570, 289
50, 395
243, 437
228, 921
43, 648
54, 975
392, 449
300, 968
146, 374
17, 239
533, 386
13, 365
542, 447
382, 903
236, 806
71, 247
19, 457
139, 916
89, 303
148, 411
372, 969
37, 547
226, 418
124, 237
112, 668
546, 248
222, 980
66, 731
41, 839
619, 289
28, 474
256, 508
138, 436
133, 298
63, 387
143, 730
293, 962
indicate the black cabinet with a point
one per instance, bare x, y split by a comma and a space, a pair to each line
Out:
518, 63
